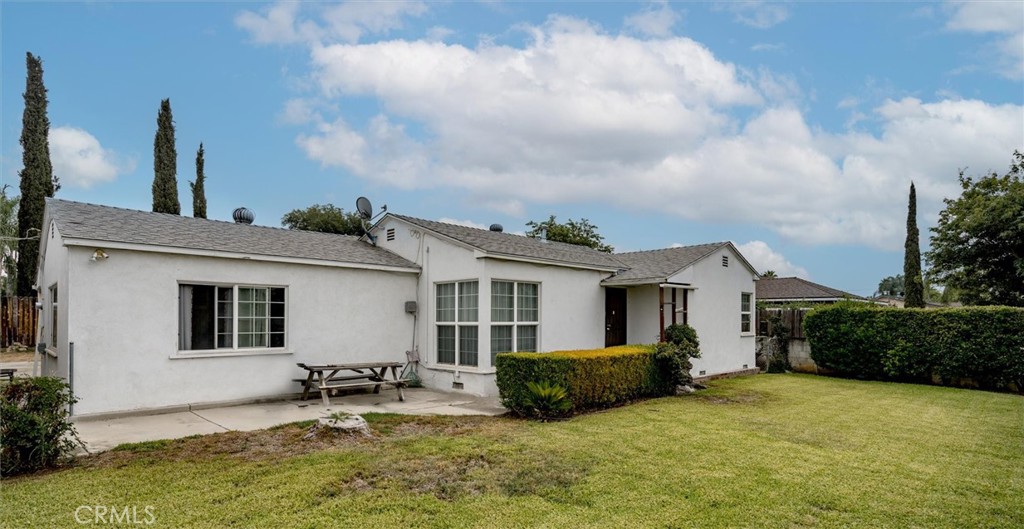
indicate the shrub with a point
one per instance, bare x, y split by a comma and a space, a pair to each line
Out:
981, 346
36, 432
548, 400
593, 378
673, 356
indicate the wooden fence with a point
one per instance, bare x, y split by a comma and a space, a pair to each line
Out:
18, 320
793, 318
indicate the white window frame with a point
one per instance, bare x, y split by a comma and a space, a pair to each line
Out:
749, 313
516, 322
54, 316
457, 324
234, 319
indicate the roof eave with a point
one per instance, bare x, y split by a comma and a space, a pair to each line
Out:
177, 250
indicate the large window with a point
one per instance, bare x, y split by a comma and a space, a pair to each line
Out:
515, 315
457, 313
230, 317
745, 325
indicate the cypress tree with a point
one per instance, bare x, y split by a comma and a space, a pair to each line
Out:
198, 189
165, 163
913, 285
37, 180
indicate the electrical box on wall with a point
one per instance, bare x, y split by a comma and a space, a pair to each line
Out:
410, 307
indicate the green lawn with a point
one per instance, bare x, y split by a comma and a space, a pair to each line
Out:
761, 451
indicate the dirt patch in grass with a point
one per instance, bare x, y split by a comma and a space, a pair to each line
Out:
285, 440
454, 477
16, 355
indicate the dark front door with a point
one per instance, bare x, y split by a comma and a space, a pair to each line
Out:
614, 317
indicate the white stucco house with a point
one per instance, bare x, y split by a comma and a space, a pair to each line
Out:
147, 311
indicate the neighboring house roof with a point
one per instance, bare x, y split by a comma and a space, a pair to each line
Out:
796, 289
90, 222
657, 266
500, 244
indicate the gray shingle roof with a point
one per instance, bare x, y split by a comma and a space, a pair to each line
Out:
796, 288
658, 265
77, 220
498, 243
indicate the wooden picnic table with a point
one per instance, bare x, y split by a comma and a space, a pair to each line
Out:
362, 375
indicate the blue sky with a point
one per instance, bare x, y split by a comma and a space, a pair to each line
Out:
792, 129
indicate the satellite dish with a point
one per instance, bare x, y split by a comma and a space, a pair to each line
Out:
364, 208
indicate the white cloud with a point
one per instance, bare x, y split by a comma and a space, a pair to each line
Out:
555, 121
439, 33
1005, 19
767, 46
757, 13
656, 20
463, 222
284, 23
80, 161
278, 24
762, 257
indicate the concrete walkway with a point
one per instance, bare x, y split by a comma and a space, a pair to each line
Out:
104, 434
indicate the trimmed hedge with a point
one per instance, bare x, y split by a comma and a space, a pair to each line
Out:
596, 378
981, 346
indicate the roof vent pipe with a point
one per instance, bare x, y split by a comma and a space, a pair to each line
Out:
243, 215
544, 234
497, 228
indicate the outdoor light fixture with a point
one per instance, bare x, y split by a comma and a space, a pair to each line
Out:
99, 254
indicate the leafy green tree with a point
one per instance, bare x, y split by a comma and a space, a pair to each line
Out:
891, 286
326, 218
914, 297
769, 274
8, 241
582, 233
977, 248
165, 163
198, 189
37, 179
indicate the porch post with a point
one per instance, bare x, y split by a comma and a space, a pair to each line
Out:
674, 306
686, 309
661, 312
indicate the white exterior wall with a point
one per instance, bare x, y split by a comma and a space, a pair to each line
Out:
642, 314
54, 270
124, 324
714, 312
571, 302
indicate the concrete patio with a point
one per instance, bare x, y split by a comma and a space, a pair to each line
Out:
104, 434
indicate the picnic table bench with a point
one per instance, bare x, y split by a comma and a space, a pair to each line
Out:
364, 375
9, 373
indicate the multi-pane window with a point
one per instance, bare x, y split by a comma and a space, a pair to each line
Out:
53, 316
456, 315
745, 312
515, 314
230, 317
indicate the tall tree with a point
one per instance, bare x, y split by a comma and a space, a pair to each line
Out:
914, 297
978, 245
37, 179
165, 163
198, 189
582, 233
326, 218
